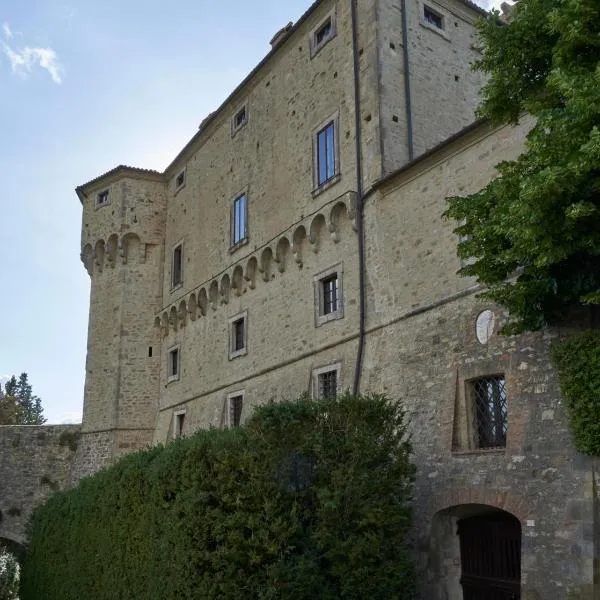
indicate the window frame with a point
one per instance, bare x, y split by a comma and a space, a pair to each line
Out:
104, 193
179, 186
232, 396
173, 376
175, 285
319, 295
424, 22
233, 352
233, 244
319, 371
317, 46
321, 186
177, 425
235, 127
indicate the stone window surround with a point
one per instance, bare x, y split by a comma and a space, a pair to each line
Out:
443, 32
463, 434
173, 376
233, 247
178, 423
315, 47
235, 127
231, 395
242, 351
335, 119
320, 318
179, 284
101, 204
335, 366
179, 187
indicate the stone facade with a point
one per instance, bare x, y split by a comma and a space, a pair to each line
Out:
176, 267
35, 461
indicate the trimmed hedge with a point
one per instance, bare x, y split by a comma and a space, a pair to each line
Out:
308, 500
577, 362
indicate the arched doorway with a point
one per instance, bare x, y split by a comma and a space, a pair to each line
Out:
474, 554
490, 552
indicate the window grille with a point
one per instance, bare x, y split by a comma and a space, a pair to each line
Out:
328, 384
490, 411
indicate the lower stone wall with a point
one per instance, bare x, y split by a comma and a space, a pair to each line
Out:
93, 453
35, 462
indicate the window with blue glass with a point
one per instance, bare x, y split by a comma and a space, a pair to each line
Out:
326, 153
239, 230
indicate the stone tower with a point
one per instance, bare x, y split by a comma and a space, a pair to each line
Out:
122, 250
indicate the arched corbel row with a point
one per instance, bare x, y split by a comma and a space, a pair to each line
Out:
292, 245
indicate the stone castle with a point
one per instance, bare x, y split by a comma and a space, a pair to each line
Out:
296, 245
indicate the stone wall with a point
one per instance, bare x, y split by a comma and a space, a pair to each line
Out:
35, 462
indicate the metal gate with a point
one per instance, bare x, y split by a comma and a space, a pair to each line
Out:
490, 550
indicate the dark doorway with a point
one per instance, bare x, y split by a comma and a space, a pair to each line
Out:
490, 551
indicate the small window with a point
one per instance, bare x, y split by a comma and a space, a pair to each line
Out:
180, 181
323, 33
238, 332
173, 364
178, 422
236, 404
326, 161
102, 199
328, 295
432, 17
239, 119
326, 381
489, 406
326, 153
239, 213
177, 266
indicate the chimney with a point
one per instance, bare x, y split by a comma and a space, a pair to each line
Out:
281, 35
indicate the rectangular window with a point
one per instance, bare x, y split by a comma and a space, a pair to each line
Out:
489, 405
238, 335
326, 381
177, 266
180, 181
173, 364
432, 17
102, 199
240, 118
328, 295
178, 422
322, 33
236, 404
326, 154
239, 213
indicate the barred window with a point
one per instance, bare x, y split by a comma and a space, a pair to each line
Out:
328, 384
490, 421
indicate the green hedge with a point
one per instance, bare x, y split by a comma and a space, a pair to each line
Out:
308, 500
577, 361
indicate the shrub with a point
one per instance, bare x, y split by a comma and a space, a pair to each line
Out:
9, 576
577, 361
308, 500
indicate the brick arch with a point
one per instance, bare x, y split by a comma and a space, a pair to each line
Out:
511, 503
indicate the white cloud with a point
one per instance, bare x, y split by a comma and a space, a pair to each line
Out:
23, 60
70, 418
8, 34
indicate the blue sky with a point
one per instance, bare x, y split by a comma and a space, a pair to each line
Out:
86, 85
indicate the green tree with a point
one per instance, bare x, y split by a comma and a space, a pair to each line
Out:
18, 404
533, 233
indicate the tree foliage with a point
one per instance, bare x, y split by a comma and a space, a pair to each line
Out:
18, 404
308, 500
533, 234
577, 361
